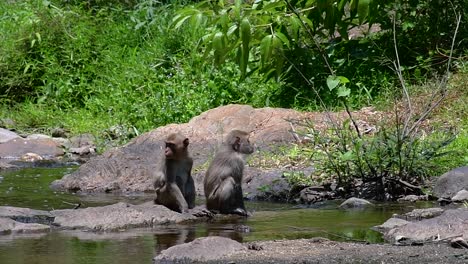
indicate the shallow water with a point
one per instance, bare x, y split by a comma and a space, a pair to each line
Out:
29, 188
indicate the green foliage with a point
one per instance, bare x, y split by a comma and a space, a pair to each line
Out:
384, 157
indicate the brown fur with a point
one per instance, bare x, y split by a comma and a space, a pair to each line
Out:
172, 178
223, 179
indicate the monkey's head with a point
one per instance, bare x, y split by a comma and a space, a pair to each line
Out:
240, 142
176, 146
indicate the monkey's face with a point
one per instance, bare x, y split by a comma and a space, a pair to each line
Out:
245, 147
170, 150
176, 148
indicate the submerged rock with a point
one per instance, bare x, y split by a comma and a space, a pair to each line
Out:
201, 249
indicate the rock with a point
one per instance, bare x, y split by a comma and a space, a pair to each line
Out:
118, 216
461, 196
6, 225
85, 150
59, 132
451, 223
7, 135
26, 215
201, 249
129, 167
17, 147
268, 185
38, 136
21, 228
413, 198
418, 214
449, 184
355, 203
390, 224
31, 157
84, 140
311, 195
9, 226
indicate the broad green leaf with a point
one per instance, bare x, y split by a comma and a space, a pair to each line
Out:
245, 31
363, 9
218, 41
343, 91
283, 38
266, 48
332, 82
273, 5
343, 79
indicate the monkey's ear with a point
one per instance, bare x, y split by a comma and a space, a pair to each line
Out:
186, 142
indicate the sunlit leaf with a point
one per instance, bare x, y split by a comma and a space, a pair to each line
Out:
343, 91
266, 48
332, 82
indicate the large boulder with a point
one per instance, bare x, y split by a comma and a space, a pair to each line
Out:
451, 223
449, 184
7, 135
201, 249
18, 147
128, 168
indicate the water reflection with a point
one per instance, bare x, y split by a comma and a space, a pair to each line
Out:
270, 221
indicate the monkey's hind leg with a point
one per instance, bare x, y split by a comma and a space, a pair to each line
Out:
230, 198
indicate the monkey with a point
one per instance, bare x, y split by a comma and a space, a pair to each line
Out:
172, 179
223, 179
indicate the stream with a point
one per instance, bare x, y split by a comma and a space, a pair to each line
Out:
30, 188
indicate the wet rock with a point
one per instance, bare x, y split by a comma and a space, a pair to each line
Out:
451, 223
390, 224
118, 216
15, 148
26, 215
31, 157
7, 135
461, 196
355, 203
449, 184
418, 214
9, 226
314, 194
413, 198
201, 249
